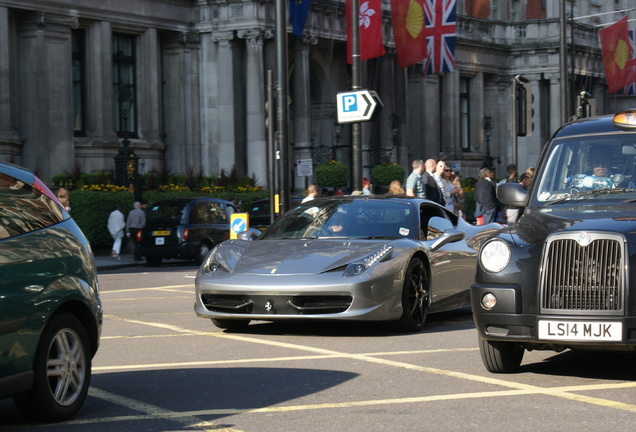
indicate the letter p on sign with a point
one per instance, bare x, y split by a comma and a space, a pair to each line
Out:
349, 103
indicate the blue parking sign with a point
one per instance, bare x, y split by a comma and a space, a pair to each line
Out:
349, 103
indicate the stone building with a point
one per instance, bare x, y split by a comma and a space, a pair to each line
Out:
184, 81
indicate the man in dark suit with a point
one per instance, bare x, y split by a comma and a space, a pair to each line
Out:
486, 196
430, 185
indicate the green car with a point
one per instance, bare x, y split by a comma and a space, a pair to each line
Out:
50, 311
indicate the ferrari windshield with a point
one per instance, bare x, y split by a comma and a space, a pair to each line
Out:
346, 218
588, 167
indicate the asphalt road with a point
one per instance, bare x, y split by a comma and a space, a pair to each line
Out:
161, 368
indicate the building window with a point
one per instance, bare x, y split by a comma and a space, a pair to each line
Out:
464, 113
124, 90
79, 68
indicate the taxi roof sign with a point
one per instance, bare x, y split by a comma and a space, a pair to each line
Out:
625, 119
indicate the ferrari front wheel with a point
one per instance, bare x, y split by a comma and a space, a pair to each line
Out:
415, 297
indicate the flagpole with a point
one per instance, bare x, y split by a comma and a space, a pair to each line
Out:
282, 109
356, 83
563, 59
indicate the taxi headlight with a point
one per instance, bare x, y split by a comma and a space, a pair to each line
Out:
495, 256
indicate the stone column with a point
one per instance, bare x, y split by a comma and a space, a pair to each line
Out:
44, 81
10, 146
180, 99
301, 104
99, 84
208, 102
255, 109
226, 102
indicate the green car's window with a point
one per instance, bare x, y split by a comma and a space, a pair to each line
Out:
24, 209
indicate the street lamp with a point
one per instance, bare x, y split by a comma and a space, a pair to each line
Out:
487, 125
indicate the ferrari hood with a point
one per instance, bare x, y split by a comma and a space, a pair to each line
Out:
291, 257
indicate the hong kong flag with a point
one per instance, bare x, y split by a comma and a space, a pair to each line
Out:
370, 21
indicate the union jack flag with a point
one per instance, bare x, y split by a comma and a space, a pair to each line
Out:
440, 35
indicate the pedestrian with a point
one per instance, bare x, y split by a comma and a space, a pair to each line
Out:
63, 195
366, 186
458, 197
433, 191
486, 202
134, 223
414, 184
312, 192
449, 189
231, 209
395, 188
116, 226
512, 175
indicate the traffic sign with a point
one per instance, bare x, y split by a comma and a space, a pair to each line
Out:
356, 106
238, 223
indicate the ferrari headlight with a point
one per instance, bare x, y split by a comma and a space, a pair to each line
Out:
211, 265
360, 266
495, 256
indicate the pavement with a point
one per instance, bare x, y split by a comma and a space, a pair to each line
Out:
107, 262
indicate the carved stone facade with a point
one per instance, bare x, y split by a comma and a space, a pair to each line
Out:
200, 85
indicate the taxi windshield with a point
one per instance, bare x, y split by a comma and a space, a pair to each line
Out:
588, 167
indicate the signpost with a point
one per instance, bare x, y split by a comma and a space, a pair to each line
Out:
356, 106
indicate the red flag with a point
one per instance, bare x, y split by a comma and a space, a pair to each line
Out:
616, 55
370, 15
408, 21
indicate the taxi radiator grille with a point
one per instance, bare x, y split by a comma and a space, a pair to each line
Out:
583, 278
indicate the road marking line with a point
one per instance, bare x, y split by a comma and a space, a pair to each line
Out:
101, 293
366, 358
151, 411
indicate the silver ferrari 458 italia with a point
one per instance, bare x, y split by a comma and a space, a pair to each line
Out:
366, 258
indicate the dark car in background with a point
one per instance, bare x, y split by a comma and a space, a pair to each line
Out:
50, 311
259, 212
184, 228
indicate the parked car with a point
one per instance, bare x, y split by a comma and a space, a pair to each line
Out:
344, 258
50, 311
184, 228
562, 278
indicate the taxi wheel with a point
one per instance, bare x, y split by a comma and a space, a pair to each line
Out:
230, 324
500, 357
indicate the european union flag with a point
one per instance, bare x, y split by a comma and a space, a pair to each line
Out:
298, 11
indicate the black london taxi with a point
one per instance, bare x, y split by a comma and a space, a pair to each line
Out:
562, 277
184, 228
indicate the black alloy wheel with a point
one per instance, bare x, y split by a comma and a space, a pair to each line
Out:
415, 297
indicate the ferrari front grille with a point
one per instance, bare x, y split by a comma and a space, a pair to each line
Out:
312, 305
227, 303
584, 272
